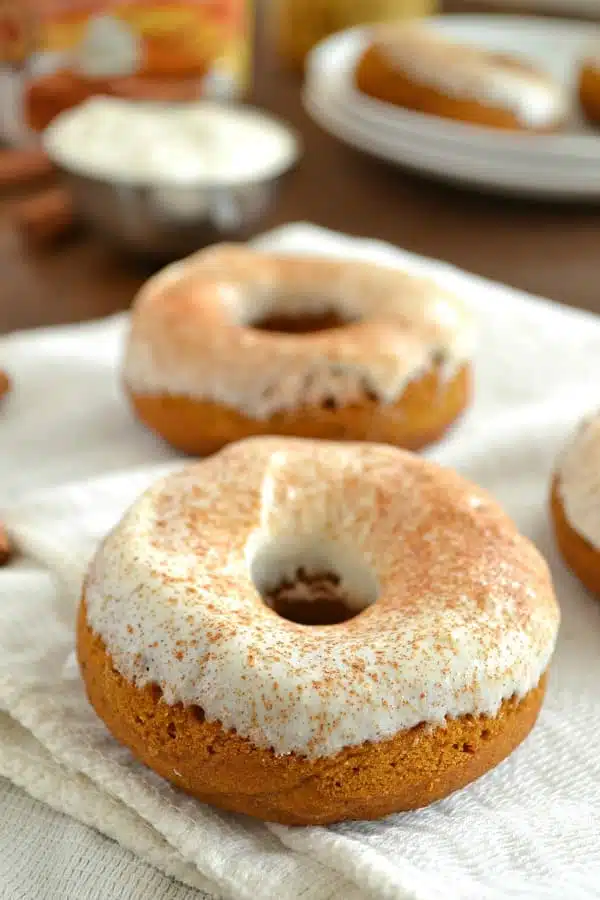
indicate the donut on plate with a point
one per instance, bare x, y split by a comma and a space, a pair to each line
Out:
575, 503
415, 67
308, 631
231, 343
589, 85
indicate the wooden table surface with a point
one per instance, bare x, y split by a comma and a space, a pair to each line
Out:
547, 249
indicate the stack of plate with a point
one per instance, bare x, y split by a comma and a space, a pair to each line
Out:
560, 166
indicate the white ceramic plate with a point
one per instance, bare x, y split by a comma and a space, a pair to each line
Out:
562, 166
554, 45
552, 164
517, 180
559, 51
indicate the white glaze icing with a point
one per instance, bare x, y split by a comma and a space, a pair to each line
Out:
467, 72
579, 481
465, 617
186, 337
123, 140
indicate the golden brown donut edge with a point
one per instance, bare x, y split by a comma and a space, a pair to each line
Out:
411, 770
589, 92
581, 557
425, 411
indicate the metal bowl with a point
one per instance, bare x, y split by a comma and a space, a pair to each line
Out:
167, 220
171, 218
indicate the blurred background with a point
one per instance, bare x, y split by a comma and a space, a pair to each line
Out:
518, 209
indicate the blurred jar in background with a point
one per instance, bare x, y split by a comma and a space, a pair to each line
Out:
54, 54
298, 25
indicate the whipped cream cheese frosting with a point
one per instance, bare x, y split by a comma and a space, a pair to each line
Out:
458, 612
169, 144
192, 331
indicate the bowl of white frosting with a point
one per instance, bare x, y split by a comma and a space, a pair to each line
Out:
166, 179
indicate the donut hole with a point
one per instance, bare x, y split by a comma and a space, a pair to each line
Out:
313, 583
301, 312
172, 730
301, 323
310, 599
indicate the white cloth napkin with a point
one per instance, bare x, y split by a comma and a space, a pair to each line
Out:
530, 829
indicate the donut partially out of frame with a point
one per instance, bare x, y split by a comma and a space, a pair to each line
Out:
589, 85
575, 504
5, 384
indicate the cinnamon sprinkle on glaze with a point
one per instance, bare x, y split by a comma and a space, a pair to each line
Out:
192, 331
465, 616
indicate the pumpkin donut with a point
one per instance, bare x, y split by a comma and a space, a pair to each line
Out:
415, 67
575, 504
5, 384
589, 85
232, 343
309, 632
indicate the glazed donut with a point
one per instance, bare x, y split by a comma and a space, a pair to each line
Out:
574, 503
417, 68
589, 85
307, 631
232, 343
